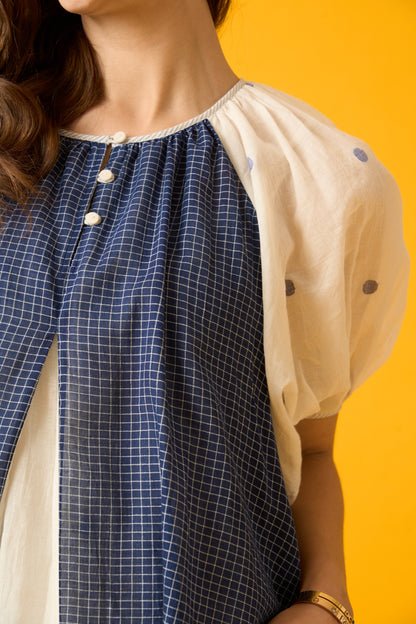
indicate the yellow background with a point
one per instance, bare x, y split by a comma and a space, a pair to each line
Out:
355, 62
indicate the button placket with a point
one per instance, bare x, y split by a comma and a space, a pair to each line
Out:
105, 176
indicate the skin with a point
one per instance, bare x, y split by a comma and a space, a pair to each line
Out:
319, 514
177, 62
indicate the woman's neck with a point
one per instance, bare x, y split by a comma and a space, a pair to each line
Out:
162, 65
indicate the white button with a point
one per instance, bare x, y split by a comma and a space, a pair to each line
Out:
106, 176
119, 137
92, 218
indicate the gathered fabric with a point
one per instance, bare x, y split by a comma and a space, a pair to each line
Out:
181, 302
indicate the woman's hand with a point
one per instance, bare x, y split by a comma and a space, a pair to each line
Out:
303, 614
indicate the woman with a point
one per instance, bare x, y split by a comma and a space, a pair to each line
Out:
208, 264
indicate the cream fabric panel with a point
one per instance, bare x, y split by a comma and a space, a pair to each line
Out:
29, 512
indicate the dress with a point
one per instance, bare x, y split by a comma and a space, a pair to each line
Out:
180, 303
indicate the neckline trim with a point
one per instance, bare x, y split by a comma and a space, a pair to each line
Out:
161, 133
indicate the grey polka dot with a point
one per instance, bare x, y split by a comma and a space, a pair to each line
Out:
360, 154
290, 288
370, 287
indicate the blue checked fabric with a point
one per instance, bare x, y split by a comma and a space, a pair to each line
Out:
172, 504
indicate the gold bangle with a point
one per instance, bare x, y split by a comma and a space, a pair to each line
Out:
328, 603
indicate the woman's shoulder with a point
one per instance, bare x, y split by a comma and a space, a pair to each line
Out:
285, 123
278, 141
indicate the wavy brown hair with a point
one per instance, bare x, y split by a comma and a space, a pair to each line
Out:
45, 62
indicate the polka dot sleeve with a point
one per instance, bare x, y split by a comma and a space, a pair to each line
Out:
346, 302
376, 270
334, 263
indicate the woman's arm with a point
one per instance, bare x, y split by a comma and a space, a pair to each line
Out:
319, 516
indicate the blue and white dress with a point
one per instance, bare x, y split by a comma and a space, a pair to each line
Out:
179, 303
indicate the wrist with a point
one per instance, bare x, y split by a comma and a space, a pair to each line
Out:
340, 593
330, 579
340, 611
